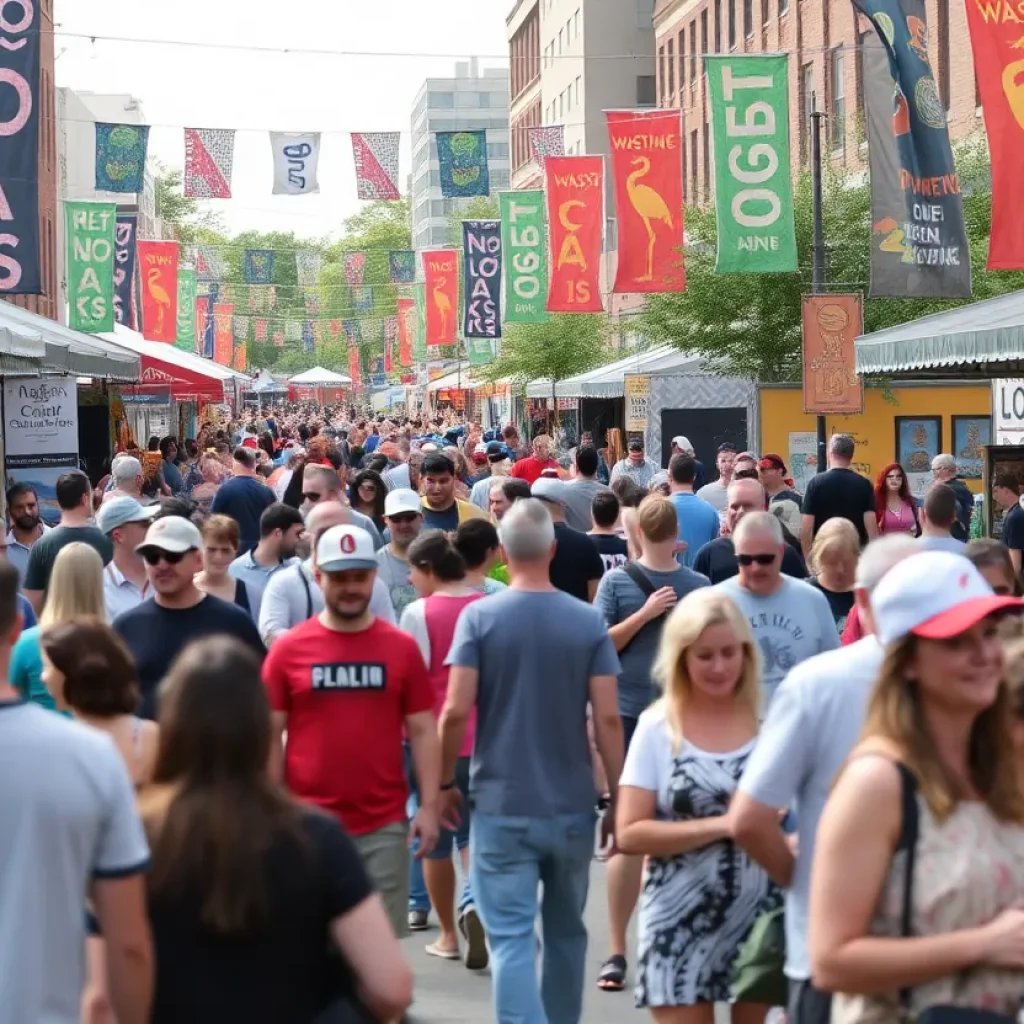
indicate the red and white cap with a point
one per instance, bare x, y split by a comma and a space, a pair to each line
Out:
345, 547
934, 595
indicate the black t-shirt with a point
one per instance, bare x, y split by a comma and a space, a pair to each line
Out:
447, 520
285, 973
576, 562
1013, 528
245, 499
156, 636
45, 550
717, 561
839, 493
614, 551
841, 602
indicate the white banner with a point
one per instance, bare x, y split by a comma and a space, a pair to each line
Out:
1008, 410
40, 419
296, 157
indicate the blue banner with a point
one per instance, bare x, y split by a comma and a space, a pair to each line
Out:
259, 266
308, 337
210, 324
19, 152
362, 298
462, 164
402, 265
120, 156
481, 269
125, 236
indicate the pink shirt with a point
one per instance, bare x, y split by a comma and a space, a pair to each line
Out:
440, 614
899, 522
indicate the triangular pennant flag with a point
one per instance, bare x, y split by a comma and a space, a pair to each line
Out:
376, 160
259, 266
546, 141
402, 266
209, 160
355, 267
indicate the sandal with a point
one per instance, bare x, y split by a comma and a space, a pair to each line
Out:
612, 976
442, 954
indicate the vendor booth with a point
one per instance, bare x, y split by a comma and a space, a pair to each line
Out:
318, 384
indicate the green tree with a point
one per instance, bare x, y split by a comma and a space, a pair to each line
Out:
748, 325
180, 214
477, 208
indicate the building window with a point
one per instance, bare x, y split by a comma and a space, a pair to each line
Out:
704, 31
765, 14
862, 38
693, 166
748, 18
693, 51
706, 154
441, 99
732, 24
670, 59
579, 88
561, 33
645, 13
576, 22
942, 19
783, 6
837, 123
718, 26
662, 79
807, 102
646, 93
483, 99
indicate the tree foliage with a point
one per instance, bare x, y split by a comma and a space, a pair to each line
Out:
477, 208
748, 325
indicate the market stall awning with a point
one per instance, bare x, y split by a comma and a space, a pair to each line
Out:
186, 375
457, 378
609, 381
29, 343
318, 377
982, 340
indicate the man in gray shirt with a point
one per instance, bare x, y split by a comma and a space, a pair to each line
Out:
635, 465
579, 492
531, 777
404, 515
938, 517
281, 528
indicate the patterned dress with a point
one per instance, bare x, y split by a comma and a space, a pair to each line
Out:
698, 907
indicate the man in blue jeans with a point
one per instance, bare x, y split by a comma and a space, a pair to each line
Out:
531, 780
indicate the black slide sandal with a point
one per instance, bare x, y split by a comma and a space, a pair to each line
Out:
612, 976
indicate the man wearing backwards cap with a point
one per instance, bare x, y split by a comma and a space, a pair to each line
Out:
345, 685
817, 716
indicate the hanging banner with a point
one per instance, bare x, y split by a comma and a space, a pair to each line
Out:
334, 327
223, 341
353, 365
209, 161
311, 300
208, 321
481, 262
90, 229
546, 141
296, 159
462, 164
376, 159
158, 277
647, 165
258, 267
441, 275
208, 263
307, 267
830, 325
919, 245
390, 337
402, 266
355, 268
293, 330
125, 232
419, 340
353, 331
260, 328
120, 157
19, 151
525, 257
362, 299
998, 65
308, 341
480, 351
749, 100
575, 194
406, 329
241, 360
279, 339
186, 337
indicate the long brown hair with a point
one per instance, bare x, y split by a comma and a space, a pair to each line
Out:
213, 812
894, 713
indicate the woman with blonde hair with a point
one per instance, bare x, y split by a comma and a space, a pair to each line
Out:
76, 589
832, 561
918, 872
702, 893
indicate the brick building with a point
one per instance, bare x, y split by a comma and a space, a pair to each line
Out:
822, 39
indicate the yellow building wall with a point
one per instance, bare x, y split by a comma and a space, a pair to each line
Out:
874, 430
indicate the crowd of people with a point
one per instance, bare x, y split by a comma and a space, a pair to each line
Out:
311, 682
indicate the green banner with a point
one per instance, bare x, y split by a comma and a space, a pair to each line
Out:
186, 338
90, 230
749, 99
480, 351
419, 339
524, 250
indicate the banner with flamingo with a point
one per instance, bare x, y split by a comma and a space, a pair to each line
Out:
749, 100
441, 276
575, 191
158, 272
647, 166
406, 329
223, 338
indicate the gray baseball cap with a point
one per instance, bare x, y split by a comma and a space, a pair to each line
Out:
121, 511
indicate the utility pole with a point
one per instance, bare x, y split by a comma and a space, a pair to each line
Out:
818, 255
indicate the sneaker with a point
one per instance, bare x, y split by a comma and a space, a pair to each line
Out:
476, 957
418, 920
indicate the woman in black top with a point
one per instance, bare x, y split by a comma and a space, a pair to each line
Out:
248, 888
366, 495
833, 561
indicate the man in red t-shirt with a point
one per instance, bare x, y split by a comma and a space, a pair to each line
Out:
344, 685
530, 468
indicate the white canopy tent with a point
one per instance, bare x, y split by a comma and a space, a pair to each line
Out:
609, 381
318, 377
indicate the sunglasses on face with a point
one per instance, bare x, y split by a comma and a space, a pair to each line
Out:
755, 559
404, 518
154, 556
311, 496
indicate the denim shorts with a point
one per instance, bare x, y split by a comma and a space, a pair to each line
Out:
446, 839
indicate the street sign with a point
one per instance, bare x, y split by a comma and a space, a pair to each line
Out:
1008, 410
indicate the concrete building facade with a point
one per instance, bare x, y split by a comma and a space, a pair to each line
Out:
823, 40
473, 99
525, 109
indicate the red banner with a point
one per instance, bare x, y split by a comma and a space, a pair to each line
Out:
647, 165
406, 327
999, 66
575, 190
158, 277
441, 273
241, 357
353, 364
390, 333
223, 340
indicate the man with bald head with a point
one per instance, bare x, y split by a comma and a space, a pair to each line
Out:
717, 558
293, 595
321, 485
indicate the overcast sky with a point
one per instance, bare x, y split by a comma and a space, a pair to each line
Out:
185, 86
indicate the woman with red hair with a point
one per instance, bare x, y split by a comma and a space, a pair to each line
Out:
895, 509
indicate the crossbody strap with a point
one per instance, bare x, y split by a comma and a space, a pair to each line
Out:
309, 591
643, 581
908, 843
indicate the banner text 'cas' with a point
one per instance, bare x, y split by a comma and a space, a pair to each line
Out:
575, 192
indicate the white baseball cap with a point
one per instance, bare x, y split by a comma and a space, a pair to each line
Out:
935, 595
173, 533
402, 500
344, 547
682, 443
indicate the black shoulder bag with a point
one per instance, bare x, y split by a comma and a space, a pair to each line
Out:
643, 581
908, 842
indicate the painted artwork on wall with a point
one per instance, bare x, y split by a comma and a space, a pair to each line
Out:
970, 435
918, 441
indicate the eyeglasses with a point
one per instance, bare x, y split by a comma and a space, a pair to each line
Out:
154, 556
756, 559
311, 496
404, 518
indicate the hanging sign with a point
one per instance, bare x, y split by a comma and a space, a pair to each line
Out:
296, 158
830, 325
90, 229
441, 275
20, 33
524, 253
749, 99
158, 273
124, 269
481, 261
1008, 410
40, 420
638, 400
575, 194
